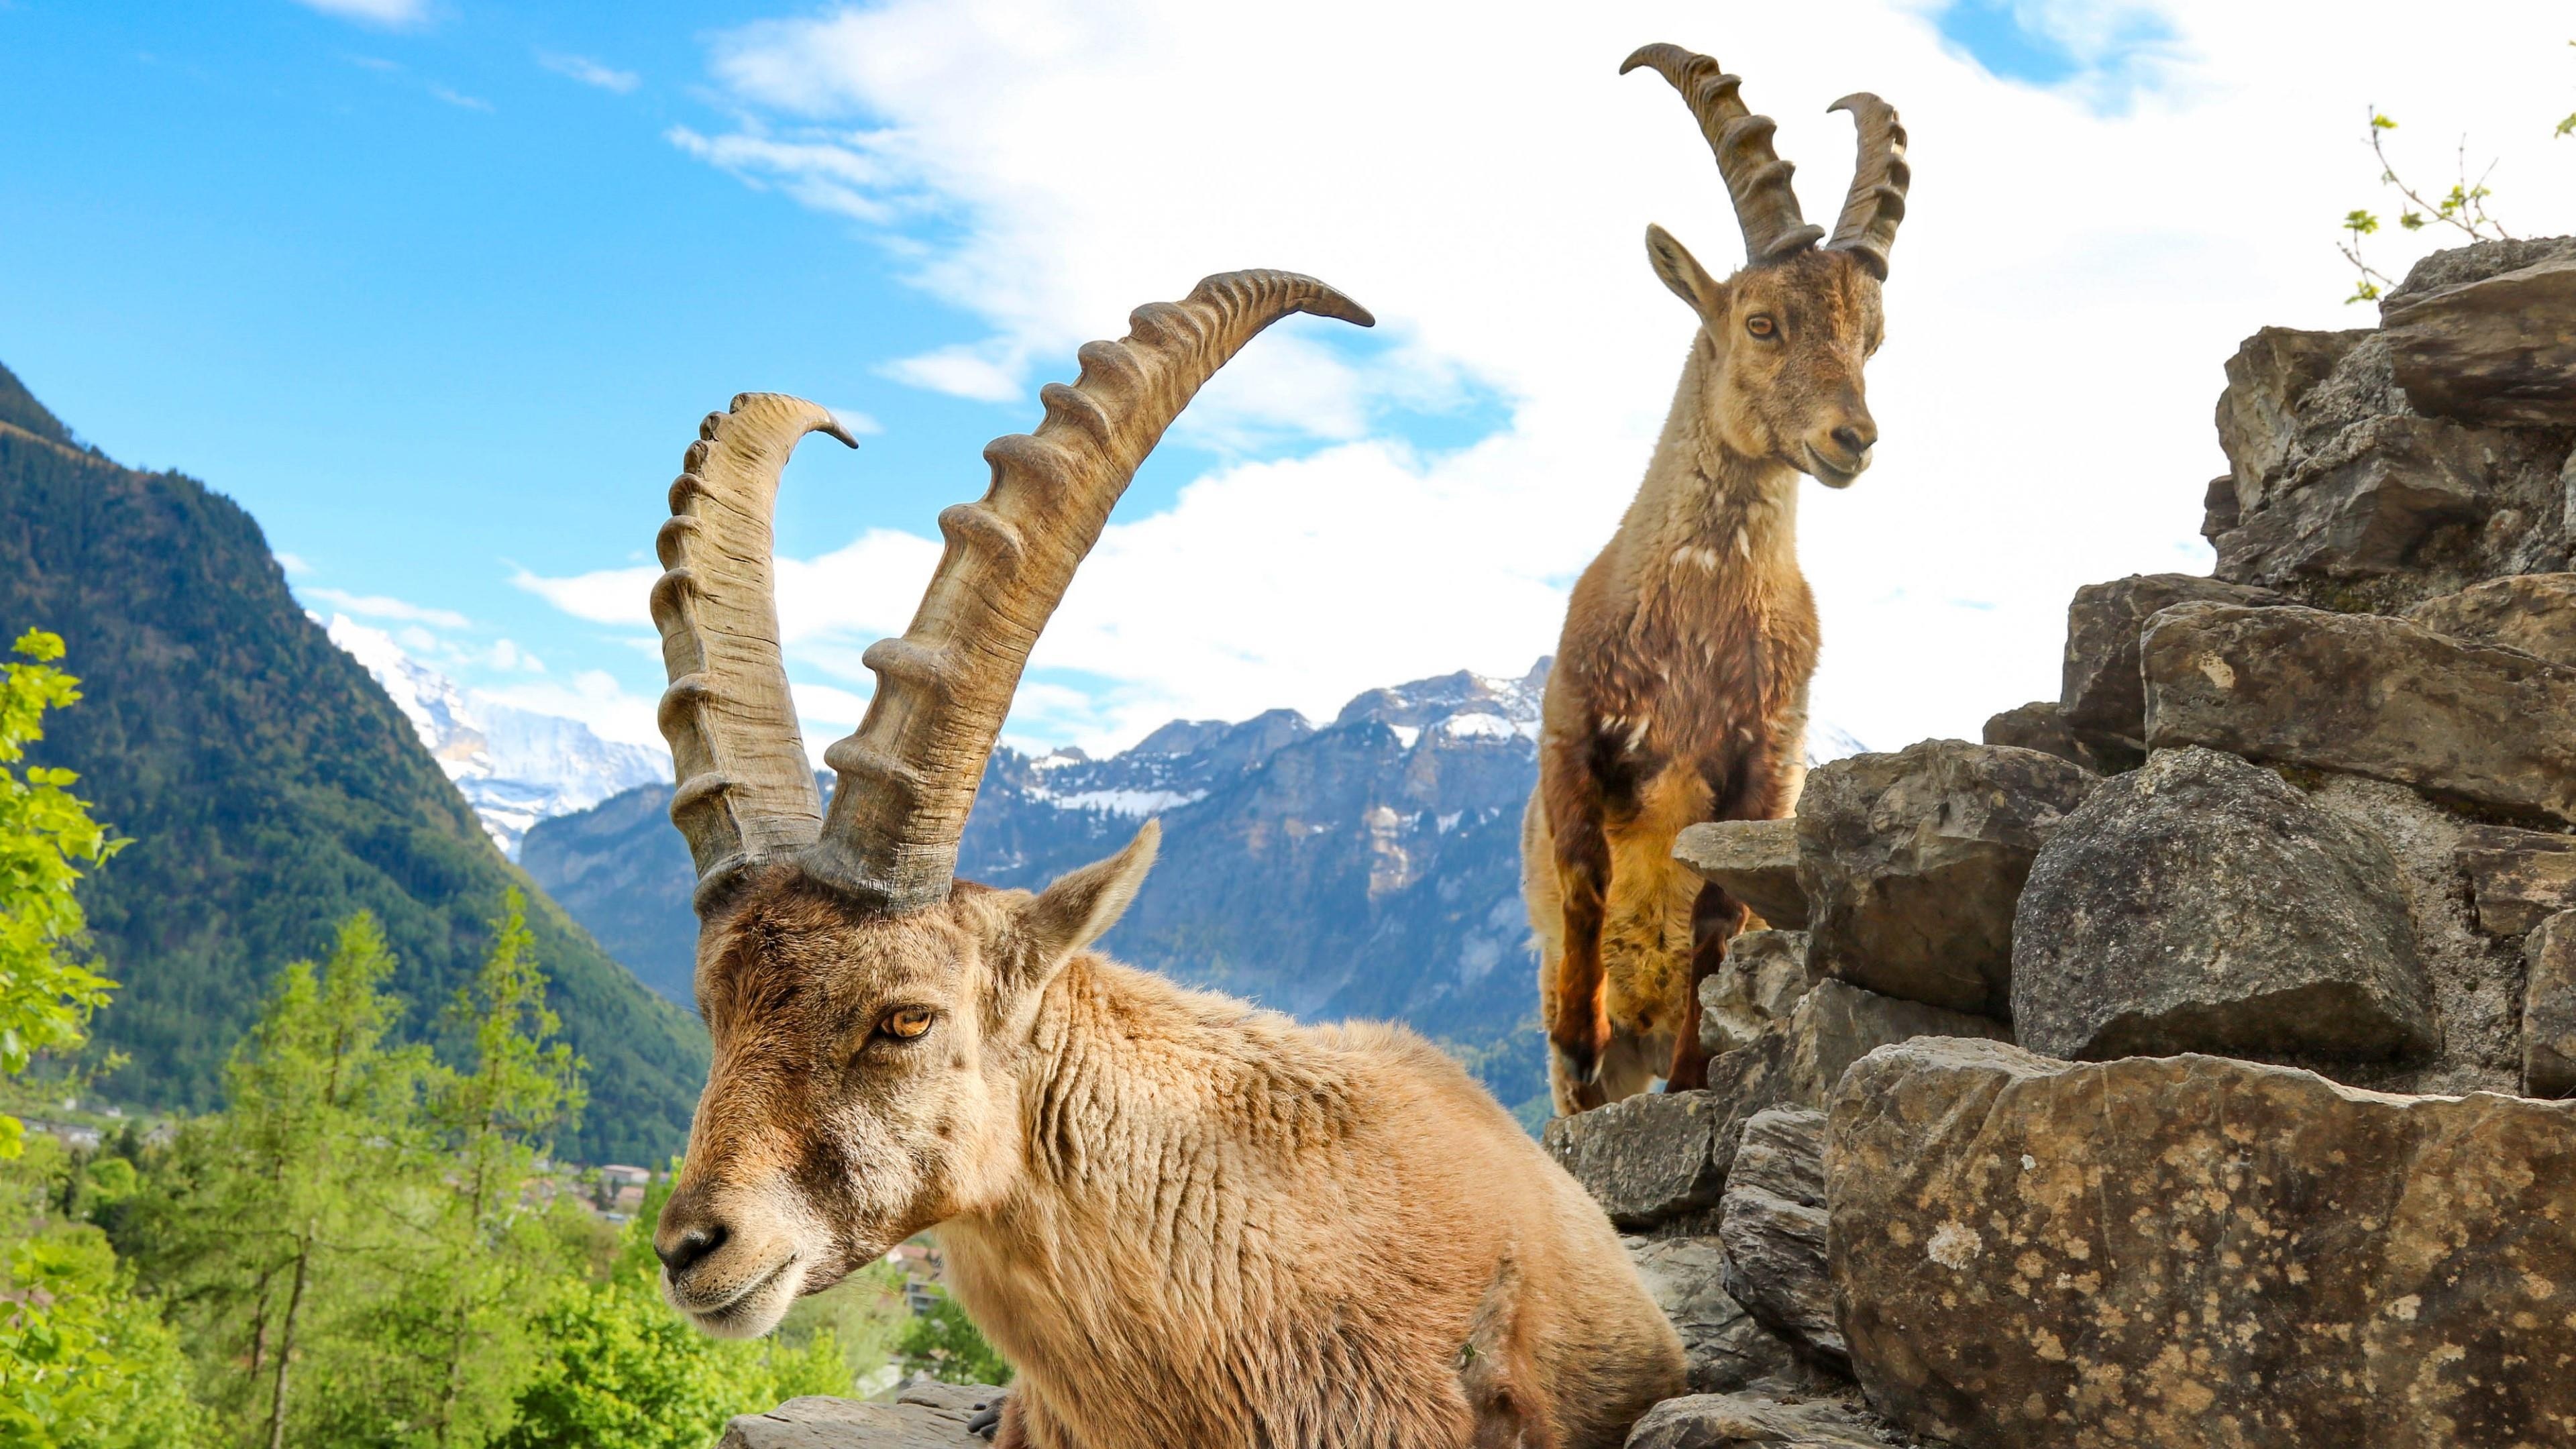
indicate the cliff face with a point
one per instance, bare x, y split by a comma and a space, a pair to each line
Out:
1367, 868
271, 789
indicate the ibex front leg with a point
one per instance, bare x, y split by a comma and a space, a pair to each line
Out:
1580, 1031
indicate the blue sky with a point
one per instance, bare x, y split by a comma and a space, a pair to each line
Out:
440, 294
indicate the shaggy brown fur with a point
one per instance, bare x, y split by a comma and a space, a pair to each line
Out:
1184, 1220
1680, 691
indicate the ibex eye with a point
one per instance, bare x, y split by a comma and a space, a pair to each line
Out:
905, 1023
1760, 325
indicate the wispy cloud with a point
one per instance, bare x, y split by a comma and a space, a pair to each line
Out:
294, 564
979, 371
829, 172
590, 72
460, 100
389, 13
381, 606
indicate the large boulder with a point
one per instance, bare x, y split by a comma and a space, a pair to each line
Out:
2549, 1008
2498, 349
1755, 861
1724, 1348
1658, 1161
2204, 904
2041, 725
2369, 502
2104, 699
2259, 422
2191, 1251
1756, 1421
1836, 1024
1911, 862
926, 1414
2535, 613
2517, 877
1772, 1223
2366, 695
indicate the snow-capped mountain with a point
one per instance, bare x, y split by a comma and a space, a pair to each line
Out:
515, 767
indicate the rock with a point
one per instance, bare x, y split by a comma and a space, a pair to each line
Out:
2365, 695
1755, 861
2535, 613
1724, 1347
2459, 266
2368, 501
1752, 990
2104, 700
2203, 904
2517, 877
2549, 1008
925, 1415
2499, 349
1911, 862
1714, 1421
1659, 1160
1836, 1024
1772, 1223
2041, 725
2190, 1251
2258, 413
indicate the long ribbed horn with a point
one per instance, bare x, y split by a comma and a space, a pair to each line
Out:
1756, 177
746, 791
909, 774
1877, 201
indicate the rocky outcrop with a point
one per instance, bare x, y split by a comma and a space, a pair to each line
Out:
2496, 349
2517, 877
1658, 1162
1742, 1421
1753, 990
1772, 1223
2101, 693
1755, 861
2041, 725
1723, 1347
2203, 904
1836, 1024
2549, 1009
2535, 613
1911, 863
925, 1415
2255, 1256
2366, 695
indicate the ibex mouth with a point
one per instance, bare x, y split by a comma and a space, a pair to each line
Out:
1833, 475
746, 1312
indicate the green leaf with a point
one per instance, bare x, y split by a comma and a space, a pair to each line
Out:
2380, 122
2360, 223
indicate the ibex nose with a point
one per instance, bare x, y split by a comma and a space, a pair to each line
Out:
687, 1233
1856, 438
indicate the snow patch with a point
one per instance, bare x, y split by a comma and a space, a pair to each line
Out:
1135, 804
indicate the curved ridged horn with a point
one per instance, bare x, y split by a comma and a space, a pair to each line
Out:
746, 791
909, 774
1756, 177
1877, 202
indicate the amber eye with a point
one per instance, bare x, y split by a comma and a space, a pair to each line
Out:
1761, 325
905, 1023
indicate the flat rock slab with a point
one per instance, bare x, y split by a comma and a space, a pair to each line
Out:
2204, 904
925, 1415
1911, 862
2191, 1251
2366, 695
1836, 1024
2549, 1009
2535, 613
2041, 725
1728, 1421
2500, 349
2518, 878
2100, 691
1661, 1158
1772, 1223
1755, 861
1724, 1347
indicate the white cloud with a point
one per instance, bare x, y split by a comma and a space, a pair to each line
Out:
394, 13
2074, 270
460, 100
380, 606
605, 596
293, 564
592, 697
590, 72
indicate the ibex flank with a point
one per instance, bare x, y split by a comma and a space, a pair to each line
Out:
1680, 689
1184, 1220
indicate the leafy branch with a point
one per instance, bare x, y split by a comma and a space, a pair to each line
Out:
2463, 208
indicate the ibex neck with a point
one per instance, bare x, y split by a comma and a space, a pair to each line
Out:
1700, 491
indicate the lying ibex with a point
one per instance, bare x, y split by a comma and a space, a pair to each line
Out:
1186, 1221
1680, 691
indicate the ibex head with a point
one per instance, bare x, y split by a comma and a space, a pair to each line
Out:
869, 1011
1786, 337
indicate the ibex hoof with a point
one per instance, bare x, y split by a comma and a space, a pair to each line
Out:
987, 1421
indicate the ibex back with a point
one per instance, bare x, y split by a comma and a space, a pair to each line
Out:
1680, 688
1184, 1220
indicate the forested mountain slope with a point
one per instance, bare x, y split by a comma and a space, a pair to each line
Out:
271, 789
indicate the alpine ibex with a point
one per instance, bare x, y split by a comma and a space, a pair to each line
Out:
1680, 690
1184, 1220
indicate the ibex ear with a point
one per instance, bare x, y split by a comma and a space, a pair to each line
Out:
1081, 906
1682, 272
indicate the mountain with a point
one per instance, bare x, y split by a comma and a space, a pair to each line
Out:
514, 766
271, 788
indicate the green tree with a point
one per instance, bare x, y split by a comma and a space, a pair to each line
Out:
945, 1344
46, 836
84, 1362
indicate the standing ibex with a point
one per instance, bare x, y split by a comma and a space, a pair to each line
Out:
1680, 691
1185, 1221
